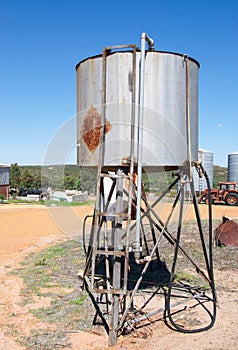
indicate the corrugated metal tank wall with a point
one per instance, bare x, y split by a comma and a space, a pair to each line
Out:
4, 179
207, 159
4, 174
233, 167
165, 126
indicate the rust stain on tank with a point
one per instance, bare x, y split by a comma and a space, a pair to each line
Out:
91, 128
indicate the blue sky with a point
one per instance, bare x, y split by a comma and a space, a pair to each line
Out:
42, 41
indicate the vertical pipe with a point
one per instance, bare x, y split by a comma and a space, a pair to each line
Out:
117, 232
144, 39
188, 117
131, 172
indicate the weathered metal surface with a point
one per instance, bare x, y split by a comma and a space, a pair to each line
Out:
226, 233
165, 125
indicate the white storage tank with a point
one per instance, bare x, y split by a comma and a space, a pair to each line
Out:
207, 159
169, 79
233, 167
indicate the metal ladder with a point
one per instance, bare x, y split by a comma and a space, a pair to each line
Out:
108, 290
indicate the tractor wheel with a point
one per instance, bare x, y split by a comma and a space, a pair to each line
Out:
232, 199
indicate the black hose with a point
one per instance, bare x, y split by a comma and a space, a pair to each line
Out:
210, 233
209, 265
84, 234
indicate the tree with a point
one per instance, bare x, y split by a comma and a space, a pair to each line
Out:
69, 182
37, 181
77, 183
219, 174
27, 179
88, 180
15, 175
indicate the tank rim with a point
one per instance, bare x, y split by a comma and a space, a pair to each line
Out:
115, 52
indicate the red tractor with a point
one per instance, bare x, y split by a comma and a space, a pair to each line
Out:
226, 194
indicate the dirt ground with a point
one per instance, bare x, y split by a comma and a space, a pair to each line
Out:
26, 229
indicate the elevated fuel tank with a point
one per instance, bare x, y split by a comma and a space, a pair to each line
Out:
170, 123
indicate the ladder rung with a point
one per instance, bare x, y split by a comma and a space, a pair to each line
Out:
110, 291
120, 215
115, 176
111, 252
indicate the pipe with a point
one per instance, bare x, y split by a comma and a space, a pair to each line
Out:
144, 38
149, 40
188, 117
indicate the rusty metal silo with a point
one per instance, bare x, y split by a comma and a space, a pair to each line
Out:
138, 112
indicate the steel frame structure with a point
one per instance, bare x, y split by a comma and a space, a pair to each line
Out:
116, 269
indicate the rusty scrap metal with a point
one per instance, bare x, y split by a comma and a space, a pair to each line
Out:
226, 233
